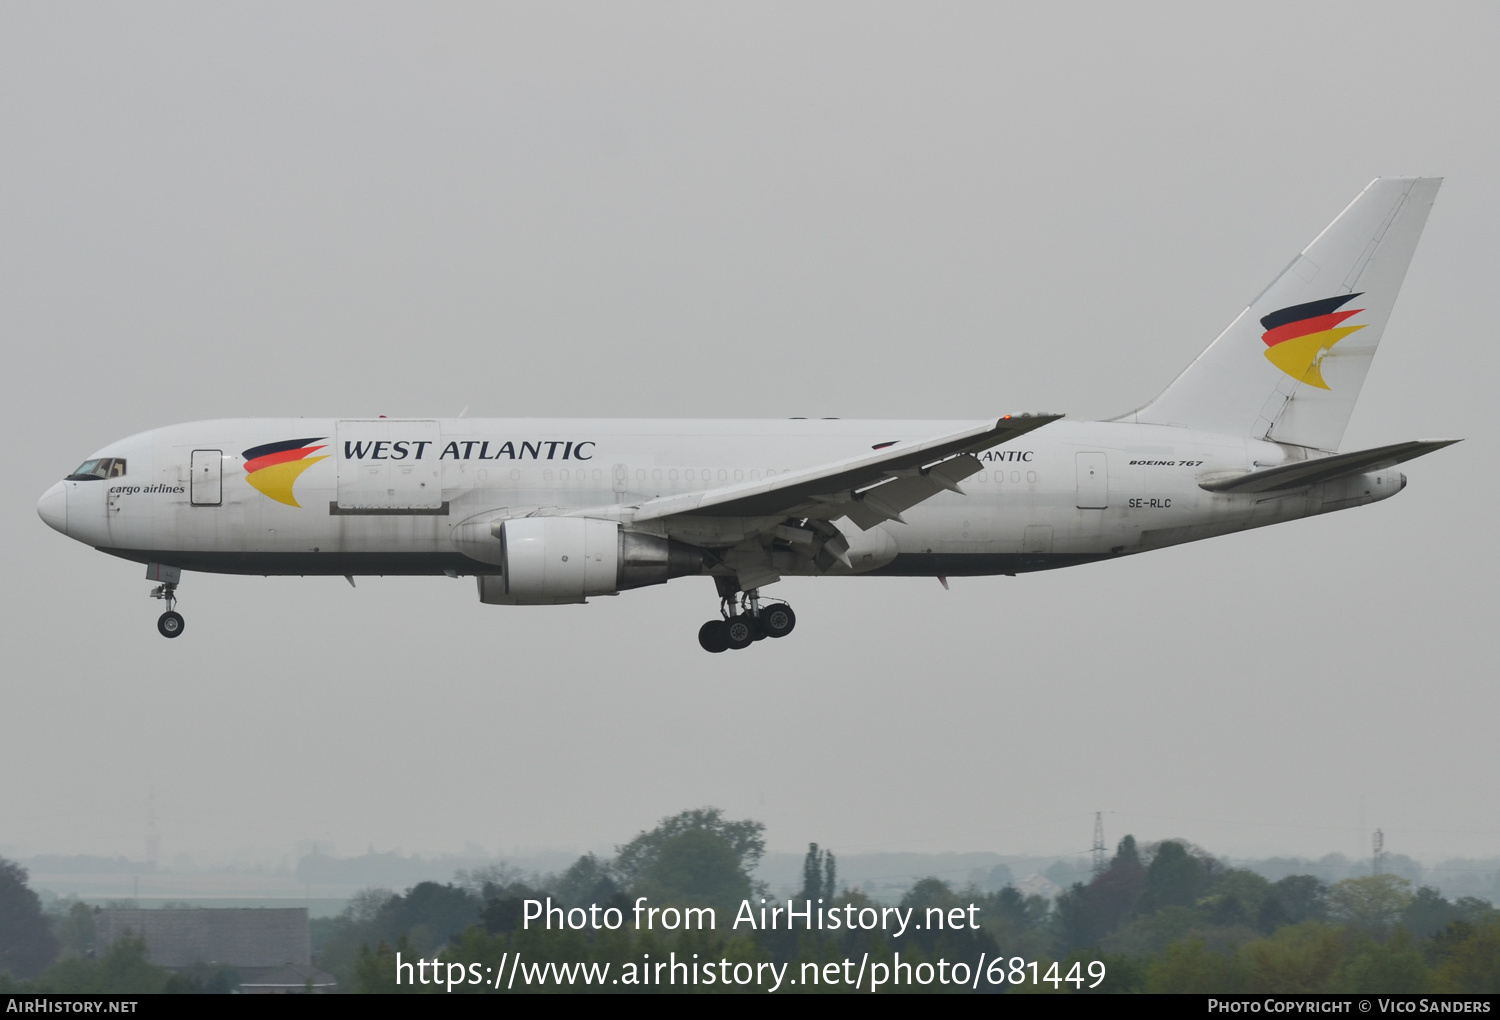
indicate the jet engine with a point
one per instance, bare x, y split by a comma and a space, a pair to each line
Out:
554, 560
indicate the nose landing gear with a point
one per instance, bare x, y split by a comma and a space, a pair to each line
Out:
169, 624
744, 622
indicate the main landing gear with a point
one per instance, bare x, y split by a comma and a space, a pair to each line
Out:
745, 621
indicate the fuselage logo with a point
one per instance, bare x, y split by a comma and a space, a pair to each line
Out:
273, 468
1299, 337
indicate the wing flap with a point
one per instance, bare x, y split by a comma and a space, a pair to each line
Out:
889, 500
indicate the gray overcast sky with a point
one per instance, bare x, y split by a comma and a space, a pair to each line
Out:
920, 210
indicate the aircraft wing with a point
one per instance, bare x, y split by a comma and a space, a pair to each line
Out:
868, 489
1324, 469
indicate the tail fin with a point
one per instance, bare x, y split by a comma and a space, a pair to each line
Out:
1289, 368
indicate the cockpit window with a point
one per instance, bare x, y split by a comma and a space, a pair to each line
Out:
103, 467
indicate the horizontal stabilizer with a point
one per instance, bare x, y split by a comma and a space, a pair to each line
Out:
1323, 469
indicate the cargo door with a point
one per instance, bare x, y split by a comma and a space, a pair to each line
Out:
207, 484
389, 464
1036, 539
1093, 481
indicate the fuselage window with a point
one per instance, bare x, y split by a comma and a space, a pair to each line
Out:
103, 467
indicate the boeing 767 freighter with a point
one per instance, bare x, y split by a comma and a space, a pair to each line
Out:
554, 511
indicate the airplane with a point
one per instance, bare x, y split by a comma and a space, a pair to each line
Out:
557, 511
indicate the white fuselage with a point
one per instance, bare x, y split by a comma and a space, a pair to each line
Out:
394, 496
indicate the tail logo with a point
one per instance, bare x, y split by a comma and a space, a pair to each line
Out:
1298, 338
273, 468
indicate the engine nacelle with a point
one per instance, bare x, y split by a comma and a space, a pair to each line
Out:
556, 560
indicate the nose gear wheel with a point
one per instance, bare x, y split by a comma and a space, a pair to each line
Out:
169, 624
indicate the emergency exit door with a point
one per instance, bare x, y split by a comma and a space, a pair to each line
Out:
207, 482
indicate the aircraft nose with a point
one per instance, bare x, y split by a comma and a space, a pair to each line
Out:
53, 507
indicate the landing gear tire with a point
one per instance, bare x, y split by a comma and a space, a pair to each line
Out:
745, 621
740, 631
170, 624
714, 636
777, 620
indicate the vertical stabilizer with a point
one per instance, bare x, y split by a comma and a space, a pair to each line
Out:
1290, 367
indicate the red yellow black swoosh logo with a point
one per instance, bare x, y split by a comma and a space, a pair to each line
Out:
273, 468
1300, 336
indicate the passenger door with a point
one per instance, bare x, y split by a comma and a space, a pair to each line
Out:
207, 484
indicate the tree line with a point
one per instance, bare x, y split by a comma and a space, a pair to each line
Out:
1167, 917
1163, 917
